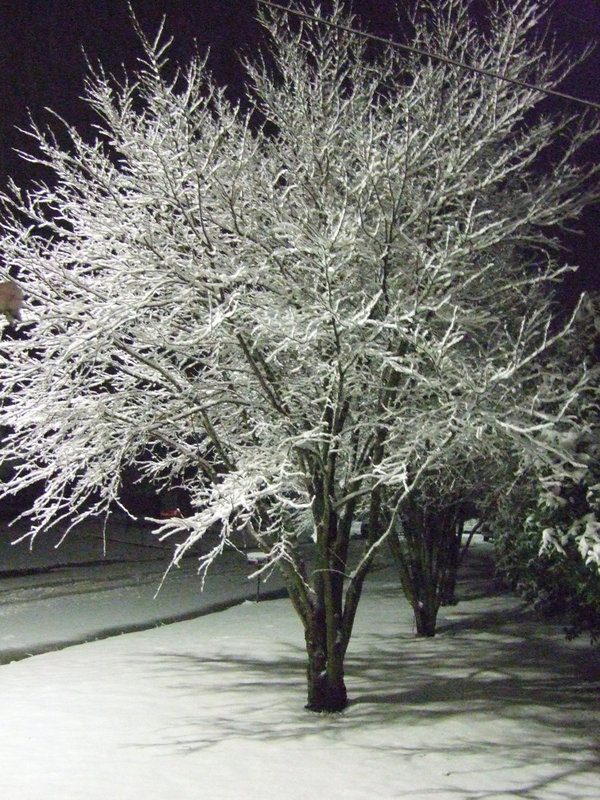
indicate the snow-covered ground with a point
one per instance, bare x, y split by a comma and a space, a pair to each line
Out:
51, 597
496, 706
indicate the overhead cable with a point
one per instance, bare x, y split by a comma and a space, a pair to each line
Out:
435, 56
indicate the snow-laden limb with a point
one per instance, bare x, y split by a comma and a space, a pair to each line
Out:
331, 300
568, 523
589, 539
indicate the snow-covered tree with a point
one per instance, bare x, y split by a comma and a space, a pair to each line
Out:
320, 303
430, 540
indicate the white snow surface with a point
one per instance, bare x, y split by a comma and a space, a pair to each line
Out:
94, 589
498, 705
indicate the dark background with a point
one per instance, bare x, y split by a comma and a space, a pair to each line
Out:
42, 64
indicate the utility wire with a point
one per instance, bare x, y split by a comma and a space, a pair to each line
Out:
435, 56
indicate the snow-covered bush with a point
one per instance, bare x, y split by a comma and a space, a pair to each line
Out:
554, 579
570, 514
565, 576
549, 549
569, 499
333, 302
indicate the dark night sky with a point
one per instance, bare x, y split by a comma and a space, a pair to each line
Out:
42, 63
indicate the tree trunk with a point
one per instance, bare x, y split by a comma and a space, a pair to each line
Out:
448, 590
425, 601
426, 556
327, 626
325, 678
450, 570
425, 619
325, 650
327, 600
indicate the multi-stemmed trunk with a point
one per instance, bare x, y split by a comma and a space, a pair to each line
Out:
326, 598
325, 648
426, 553
327, 609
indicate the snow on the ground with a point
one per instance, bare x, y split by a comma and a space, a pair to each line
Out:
496, 706
44, 606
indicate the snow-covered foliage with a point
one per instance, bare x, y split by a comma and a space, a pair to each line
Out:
319, 301
568, 507
547, 530
569, 512
555, 577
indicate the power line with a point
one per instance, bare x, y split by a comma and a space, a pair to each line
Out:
435, 56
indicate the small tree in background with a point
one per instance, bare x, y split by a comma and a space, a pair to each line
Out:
428, 546
324, 304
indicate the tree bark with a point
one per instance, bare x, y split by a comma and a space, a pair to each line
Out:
325, 671
425, 619
450, 572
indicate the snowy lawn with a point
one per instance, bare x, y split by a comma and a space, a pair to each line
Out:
496, 706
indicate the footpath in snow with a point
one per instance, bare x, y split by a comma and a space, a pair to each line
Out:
497, 706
